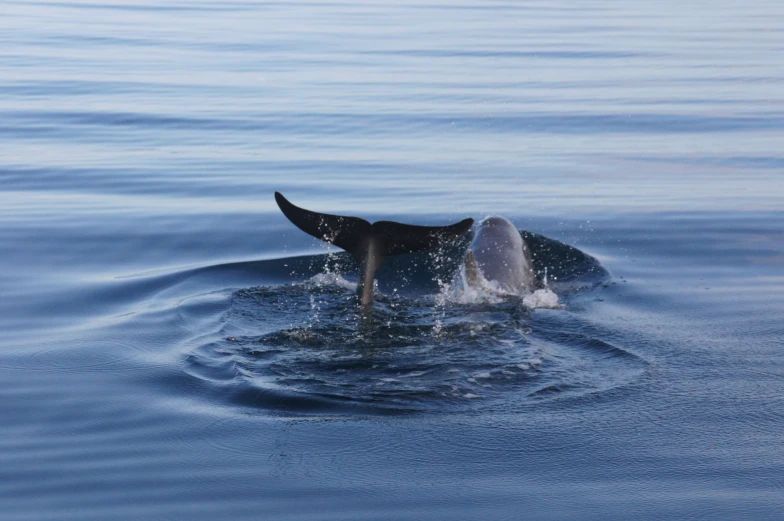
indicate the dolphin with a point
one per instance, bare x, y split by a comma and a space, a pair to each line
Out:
498, 255
370, 244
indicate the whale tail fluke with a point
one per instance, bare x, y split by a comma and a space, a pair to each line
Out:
398, 238
344, 232
370, 244
354, 234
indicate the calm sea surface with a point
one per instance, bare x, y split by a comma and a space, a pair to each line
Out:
172, 348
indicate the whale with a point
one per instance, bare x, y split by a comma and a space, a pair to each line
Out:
498, 258
370, 244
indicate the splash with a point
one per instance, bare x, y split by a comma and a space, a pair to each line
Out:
330, 279
542, 298
483, 291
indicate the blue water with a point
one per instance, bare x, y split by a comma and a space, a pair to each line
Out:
170, 347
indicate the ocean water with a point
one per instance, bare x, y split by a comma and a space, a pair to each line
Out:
171, 347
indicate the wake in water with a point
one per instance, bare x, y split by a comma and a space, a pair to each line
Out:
426, 345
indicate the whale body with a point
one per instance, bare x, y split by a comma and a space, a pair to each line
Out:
499, 257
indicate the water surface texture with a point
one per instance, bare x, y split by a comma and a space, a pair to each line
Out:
171, 347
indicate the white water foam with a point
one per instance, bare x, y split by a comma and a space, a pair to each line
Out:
331, 279
542, 298
484, 291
